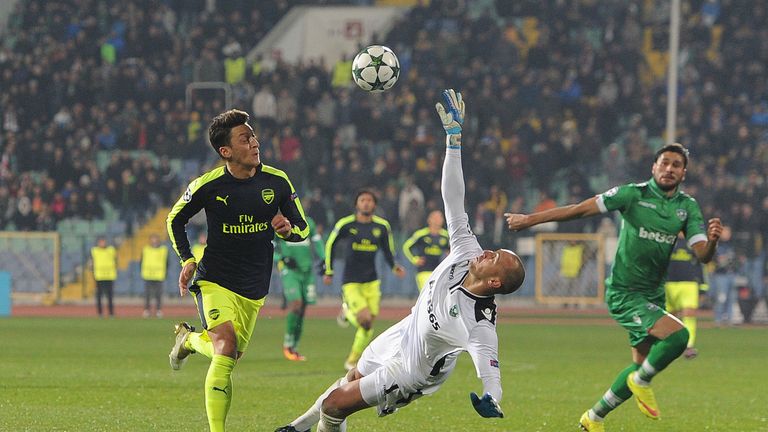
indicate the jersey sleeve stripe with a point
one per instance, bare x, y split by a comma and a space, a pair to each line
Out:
332, 239
303, 233
184, 200
601, 204
408, 244
698, 238
384, 222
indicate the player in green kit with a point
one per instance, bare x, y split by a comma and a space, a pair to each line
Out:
295, 262
653, 213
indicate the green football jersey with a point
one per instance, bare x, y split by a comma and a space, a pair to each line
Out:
302, 251
649, 227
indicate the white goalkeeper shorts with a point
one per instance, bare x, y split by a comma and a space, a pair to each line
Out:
389, 383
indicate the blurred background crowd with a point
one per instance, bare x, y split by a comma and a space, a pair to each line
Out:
566, 99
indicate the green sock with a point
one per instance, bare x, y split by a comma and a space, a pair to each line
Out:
218, 391
663, 353
362, 338
690, 324
298, 329
289, 340
617, 394
199, 343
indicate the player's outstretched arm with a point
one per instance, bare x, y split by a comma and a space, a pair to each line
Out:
518, 222
453, 176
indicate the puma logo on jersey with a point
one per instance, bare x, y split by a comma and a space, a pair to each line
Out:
224, 200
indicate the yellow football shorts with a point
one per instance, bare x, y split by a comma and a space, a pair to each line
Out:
682, 295
216, 305
421, 278
359, 296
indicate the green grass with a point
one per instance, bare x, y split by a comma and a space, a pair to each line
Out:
113, 375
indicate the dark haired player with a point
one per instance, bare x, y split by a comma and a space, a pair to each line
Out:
366, 234
246, 203
653, 213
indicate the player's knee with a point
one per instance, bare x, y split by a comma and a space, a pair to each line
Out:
679, 339
296, 306
330, 405
366, 324
227, 347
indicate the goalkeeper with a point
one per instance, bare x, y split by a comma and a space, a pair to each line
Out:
294, 261
455, 312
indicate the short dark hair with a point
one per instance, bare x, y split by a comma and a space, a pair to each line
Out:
220, 129
674, 148
364, 192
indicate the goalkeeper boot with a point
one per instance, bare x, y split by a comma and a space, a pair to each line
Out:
289, 428
589, 425
646, 401
179, 353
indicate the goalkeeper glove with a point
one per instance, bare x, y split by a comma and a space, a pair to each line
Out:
486, 406
453, 118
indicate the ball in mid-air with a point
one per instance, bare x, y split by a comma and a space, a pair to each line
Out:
375, 69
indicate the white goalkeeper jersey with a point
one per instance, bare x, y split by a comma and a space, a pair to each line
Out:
447, 319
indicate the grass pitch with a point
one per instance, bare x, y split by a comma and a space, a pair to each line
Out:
72, 374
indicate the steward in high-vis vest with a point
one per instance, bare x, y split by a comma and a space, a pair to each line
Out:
104, 261
154, 268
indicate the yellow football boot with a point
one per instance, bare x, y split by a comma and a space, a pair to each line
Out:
646, 401
589, 425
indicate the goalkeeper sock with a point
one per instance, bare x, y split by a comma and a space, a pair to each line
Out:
329, 424
615, 396
291, 320
199, 343
362, 338
690, 324
662, 353
218, 391
312, 416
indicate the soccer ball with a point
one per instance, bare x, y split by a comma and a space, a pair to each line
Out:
375, 69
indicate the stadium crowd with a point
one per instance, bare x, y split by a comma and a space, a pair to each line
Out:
568, 100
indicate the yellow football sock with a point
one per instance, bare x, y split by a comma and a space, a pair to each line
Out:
690, 324
362, 338
199, 343
218, 391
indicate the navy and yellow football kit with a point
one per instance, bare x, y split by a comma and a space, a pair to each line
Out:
684, 278
361, 287
232, 279
238, 257
432, 247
